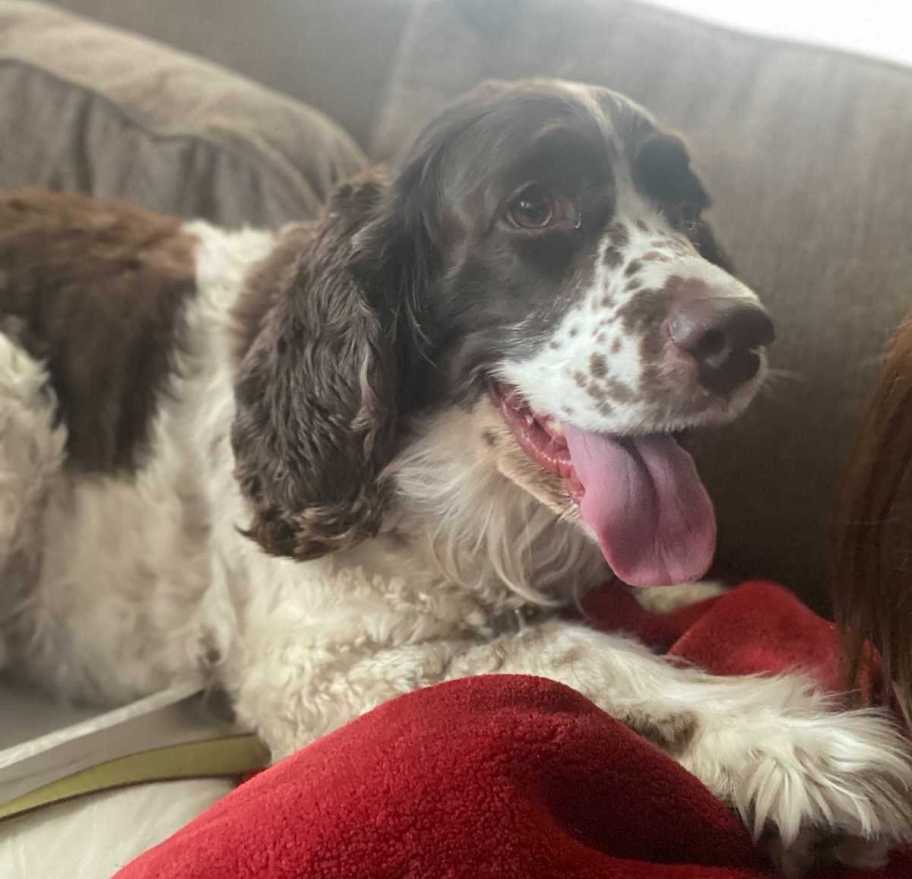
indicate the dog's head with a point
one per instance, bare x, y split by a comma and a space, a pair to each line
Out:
540, 253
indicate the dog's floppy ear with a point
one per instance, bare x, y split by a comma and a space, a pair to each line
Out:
320, 384
664, 172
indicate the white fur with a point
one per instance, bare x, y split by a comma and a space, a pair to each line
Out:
666, 599
145, 582
31, 454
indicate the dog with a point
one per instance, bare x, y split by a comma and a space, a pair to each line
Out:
322, 467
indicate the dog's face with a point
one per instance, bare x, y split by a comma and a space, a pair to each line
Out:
541, 255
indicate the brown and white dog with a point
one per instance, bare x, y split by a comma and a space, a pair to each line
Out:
325, 467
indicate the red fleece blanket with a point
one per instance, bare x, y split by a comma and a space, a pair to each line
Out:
508, 776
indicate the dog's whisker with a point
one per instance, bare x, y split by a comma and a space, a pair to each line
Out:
776, 377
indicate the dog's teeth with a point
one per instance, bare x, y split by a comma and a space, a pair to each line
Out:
551, 425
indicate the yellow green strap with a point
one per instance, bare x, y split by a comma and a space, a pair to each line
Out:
223, 756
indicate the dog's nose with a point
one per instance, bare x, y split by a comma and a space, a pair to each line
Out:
722, 335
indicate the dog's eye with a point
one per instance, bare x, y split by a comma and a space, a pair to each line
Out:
690, 226
686, 218
535, 207
532, 208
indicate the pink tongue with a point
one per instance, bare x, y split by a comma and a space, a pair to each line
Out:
647, 506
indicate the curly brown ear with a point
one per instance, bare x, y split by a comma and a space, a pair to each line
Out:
872, 554
317, 391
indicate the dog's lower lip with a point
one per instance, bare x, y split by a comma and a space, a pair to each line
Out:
683, 438
539, 436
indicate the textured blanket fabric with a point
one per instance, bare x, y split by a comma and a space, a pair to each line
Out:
508, 776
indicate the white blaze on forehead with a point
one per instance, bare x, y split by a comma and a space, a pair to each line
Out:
675, 255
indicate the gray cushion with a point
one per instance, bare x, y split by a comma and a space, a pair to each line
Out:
95, 110
332, 54
807, 153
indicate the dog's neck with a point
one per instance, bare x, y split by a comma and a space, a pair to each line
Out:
459, 518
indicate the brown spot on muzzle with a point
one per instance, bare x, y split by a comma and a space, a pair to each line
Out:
598, 366
646, 310
618, 234
618, 391
613, 257
643, 318
676, 285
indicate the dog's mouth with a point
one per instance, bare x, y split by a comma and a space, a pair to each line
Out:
640, 496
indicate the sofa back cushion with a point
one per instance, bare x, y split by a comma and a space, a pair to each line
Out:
91, 109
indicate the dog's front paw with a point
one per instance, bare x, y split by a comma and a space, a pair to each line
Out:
815, 787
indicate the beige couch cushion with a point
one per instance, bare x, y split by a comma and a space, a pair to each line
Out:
807, 152
91, 109
332, 54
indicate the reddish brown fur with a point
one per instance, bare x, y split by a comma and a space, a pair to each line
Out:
316, 387
96, 290
872, 551
273, 274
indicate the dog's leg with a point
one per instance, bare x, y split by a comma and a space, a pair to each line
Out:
811, 782
31, 453
802, 776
